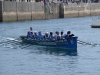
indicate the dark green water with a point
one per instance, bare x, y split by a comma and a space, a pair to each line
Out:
24, 59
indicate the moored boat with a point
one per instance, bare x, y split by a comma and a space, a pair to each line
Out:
68, 43
95, 23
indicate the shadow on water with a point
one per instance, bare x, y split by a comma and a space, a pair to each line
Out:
15, 43
57, 51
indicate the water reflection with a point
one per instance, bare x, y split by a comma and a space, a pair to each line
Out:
57, 51
38, 49
16, 43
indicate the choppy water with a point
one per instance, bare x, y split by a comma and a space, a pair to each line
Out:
24, 59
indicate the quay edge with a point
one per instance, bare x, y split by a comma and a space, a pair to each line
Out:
22, 11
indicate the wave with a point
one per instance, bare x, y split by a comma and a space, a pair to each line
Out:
87, 43
14, 43
17, 43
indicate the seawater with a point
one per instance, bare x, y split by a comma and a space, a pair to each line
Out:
24, 59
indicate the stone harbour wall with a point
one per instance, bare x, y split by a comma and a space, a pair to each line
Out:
18, 11
82, 9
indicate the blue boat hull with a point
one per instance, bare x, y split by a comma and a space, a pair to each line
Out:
69, 43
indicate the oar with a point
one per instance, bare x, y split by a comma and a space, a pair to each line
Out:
86, 43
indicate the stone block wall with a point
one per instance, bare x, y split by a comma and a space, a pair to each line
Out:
1, 11
38, 11
51, 10
23, 11
9, 11
95, 9
82, 9
18, 11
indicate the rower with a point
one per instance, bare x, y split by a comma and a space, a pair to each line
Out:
46, 36
40, 36
29, 33
69, 34
35, 35
62, 35
58, 37
51, 36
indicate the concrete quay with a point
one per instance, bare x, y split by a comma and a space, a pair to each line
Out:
21, 11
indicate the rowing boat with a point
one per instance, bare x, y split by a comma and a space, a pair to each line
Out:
68, 43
